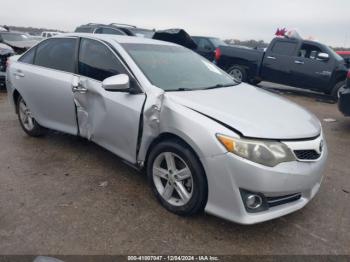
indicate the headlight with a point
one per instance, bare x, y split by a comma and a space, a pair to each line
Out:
268, 153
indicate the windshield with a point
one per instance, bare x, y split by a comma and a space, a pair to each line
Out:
217, 42
175, 68
14, 37
142, 32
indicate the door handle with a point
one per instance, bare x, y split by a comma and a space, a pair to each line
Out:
19, 73
271, 57
299, 62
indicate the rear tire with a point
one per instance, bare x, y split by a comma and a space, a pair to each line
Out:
177, 178
28, 123
238, 73
336, 89
254, 82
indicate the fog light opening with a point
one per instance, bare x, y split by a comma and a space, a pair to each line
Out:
254, 201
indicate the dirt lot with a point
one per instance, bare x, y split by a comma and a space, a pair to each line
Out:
63, 195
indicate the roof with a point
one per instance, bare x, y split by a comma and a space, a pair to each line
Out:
118, 38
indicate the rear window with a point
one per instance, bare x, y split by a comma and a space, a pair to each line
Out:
57, 53
284, 48
142, 32
83, 30
217, 42
109, 31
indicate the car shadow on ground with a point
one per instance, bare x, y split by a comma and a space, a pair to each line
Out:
286, 90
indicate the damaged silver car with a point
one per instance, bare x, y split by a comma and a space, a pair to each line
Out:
206, 142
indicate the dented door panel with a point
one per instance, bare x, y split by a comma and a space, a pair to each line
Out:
110, 119
151, 122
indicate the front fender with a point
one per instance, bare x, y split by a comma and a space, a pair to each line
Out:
197, 130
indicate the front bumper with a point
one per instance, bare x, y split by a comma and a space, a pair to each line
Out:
228, 173
344, 100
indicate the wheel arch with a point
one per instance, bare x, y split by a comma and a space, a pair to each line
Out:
170, 136
15, 97
167, 136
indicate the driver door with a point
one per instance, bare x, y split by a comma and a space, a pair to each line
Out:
110, 119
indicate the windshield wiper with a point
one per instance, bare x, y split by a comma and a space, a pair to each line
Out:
180, 89
219, 86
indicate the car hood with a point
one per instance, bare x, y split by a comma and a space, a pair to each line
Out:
22, 44
253, 112
5, 49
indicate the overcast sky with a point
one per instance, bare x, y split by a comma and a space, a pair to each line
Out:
326, 20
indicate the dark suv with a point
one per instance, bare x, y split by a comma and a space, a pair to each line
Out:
5, 52
115, 29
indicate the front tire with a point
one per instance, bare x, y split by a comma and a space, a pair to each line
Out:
28, 123
177, 178
336, 90
238, 73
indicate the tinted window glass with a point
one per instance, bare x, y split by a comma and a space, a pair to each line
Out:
309, 51
56, 54
28, 57
83, 30
97, 61
111, 31
204, 44
217, 42
284, 48
142, 32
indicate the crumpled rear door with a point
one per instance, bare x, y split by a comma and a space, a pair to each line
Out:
110, 119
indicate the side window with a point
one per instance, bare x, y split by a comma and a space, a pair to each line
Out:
57, 54
284, 48
309, 51
83, 29
28, 57
204, 44
111, 31
97, 61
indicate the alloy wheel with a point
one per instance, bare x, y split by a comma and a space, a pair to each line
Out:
236, 74
25, 116
341, 89
172, 178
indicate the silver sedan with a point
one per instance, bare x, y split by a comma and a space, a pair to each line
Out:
205, 141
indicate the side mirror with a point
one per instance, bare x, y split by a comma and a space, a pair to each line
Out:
323, 56
117, 83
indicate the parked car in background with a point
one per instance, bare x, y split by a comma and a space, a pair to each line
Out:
20, 42
344, 98
209, 47
346, 56
5, 52
299, 63
176, 36
115, 29
186, 122
47, 34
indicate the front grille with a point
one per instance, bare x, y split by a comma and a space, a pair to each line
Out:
280, 200
306, 154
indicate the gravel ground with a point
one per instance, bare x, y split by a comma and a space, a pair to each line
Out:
62, 195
